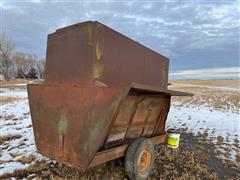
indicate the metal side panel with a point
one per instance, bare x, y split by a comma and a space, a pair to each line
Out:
138, 115
70, 123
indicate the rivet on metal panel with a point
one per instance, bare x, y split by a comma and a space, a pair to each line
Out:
151, 108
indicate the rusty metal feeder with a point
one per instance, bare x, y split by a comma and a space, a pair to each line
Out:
101, 92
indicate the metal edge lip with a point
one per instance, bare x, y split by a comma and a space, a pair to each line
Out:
149, 88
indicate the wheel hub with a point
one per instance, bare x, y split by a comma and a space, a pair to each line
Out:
144, 160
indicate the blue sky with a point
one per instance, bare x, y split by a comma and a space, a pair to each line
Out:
194, 35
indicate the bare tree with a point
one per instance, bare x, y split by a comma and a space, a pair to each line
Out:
23, 64
29, 66
7, 45
8, 67
18, 64
34, 72
40, 65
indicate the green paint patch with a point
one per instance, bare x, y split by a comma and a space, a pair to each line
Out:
99, 25
63, 124
98, 51
97, 71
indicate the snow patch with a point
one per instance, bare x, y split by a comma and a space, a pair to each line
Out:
225, 124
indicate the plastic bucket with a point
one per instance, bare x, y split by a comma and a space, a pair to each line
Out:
173, 139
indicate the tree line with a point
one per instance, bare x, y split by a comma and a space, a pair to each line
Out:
18, 64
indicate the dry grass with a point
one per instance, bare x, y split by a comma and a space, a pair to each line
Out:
238, 157
12, 86
9, 138
211, 97
219, 83
36, 168
19, 83
4, 99
16, 81
26, 114
184, 165
7, 117
194, 159
26, 159
220, 140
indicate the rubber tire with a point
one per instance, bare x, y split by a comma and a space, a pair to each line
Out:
132, 155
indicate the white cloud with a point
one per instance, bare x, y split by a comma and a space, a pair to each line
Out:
192, 35
36, 1
213, 73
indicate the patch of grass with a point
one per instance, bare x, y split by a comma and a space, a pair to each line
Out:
176, 164
26, 114
3, 139
194, 159
220, 140
26, 159
36, 168
20, 81
210, 97
8, 117
16, 81
238, 157
4, 99
12, 86
218, 83
13, 154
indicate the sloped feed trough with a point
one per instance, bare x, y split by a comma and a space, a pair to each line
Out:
104, 96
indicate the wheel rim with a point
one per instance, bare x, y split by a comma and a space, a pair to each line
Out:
144, 160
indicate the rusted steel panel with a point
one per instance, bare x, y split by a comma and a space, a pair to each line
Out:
118, 56
137, 117
92, 51
70, 123
69, 56
161, 121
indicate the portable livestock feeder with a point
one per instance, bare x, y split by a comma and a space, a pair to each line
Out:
104, 96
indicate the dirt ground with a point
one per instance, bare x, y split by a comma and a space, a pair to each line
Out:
202, 153
194, 159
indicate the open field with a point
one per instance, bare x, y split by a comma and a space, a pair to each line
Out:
13, 82
222, 95
213, 83
209, 148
